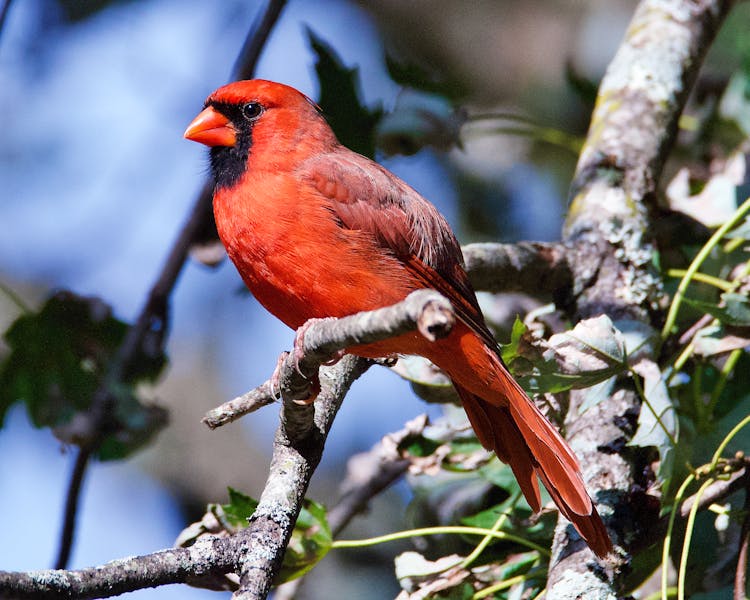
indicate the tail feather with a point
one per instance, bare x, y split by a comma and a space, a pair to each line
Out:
495, 429
521, 436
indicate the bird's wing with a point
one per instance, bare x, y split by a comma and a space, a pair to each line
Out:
364, 196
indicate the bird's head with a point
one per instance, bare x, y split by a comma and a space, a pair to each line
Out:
256, 118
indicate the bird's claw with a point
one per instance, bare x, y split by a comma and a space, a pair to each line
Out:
276, 376
314, 392
338, 355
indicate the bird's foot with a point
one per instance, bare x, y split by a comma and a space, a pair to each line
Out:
338, 355
275, 381
314, 387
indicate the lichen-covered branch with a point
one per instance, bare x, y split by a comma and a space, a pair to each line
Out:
299, 441
367, 475
321, 340
297, 450
538, 268
631, 133
210, 556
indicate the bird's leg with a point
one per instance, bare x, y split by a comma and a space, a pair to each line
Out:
298, 354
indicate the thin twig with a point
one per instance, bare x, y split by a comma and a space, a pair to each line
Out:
4, 14
71, 507
717, 491
244, 66
240, 406
320, 340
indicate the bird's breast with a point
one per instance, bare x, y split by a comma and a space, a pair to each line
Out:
297, 259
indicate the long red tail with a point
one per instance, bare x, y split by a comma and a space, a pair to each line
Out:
508, 422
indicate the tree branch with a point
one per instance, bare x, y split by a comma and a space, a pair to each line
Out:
632, 131
297, 450
367, 475
209, 556
536, 268
257, 551
320, 340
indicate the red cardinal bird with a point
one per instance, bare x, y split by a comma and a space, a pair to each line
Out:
316, 230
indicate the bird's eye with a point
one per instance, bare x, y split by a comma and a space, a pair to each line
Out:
251, 110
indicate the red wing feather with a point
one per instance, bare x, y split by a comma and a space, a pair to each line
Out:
366, 197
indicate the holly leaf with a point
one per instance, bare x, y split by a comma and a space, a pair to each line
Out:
657, 420
353, 123
311, 541
60, 356
415, 76
420, 120
240, 508
734, 309
57, 357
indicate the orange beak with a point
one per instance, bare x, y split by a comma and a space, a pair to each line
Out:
211, 128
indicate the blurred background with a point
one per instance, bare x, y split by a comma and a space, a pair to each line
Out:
96, 181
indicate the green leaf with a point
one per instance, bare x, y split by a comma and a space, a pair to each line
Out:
510, 350
353, 123
414, 76
135, 426
419, 446
418, 121
592, 345
501, 475
547, 379
519, 522
712, 434
57, 357
240, 508
60, 356
657, 420
735, 310
311, 541
597, 393
591, 353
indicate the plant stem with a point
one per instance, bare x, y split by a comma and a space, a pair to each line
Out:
674, 307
